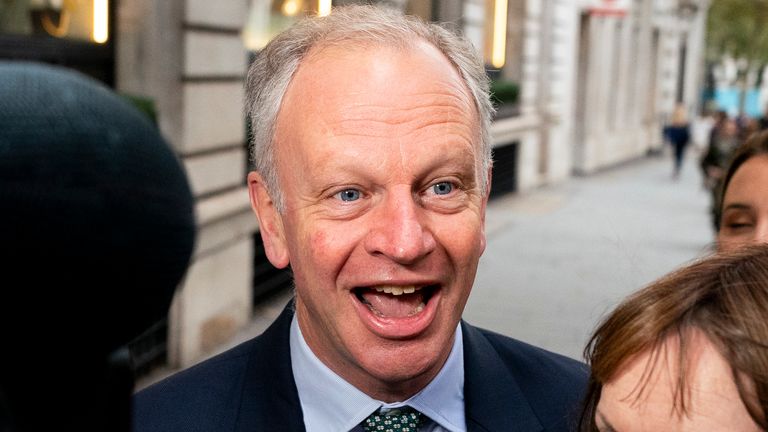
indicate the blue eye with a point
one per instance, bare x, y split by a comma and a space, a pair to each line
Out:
442, 188
349, 195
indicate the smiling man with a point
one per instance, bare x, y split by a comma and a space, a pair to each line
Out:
372, 153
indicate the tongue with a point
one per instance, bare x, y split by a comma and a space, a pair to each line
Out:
388, 305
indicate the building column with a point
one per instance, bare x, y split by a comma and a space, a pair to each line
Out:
189, 56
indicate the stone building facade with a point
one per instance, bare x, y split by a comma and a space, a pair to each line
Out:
597, 80
188, 56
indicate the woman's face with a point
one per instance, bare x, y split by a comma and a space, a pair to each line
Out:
744, 218
712, 399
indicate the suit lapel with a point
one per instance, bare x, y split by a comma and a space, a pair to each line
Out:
270, 400
493, 399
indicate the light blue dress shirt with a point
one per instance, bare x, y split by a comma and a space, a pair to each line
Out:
331, 404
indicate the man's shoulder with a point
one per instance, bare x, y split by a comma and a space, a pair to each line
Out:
553, 385
214, 395
196, 398
523, 357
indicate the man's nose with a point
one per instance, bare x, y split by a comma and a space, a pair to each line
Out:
399, 231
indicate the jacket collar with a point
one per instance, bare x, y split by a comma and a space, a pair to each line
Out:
270, 400
493, 400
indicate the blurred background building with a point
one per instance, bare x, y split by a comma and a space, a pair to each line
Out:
580, 85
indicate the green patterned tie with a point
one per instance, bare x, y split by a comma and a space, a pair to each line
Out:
404, 419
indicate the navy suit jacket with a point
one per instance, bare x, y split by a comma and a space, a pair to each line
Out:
508, 386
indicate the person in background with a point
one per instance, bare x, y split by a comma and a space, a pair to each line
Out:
372, 151
722, 144
687, 353
678, 133
743, 198
701, 127
763, 120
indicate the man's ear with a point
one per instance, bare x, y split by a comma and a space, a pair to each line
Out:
270, 222
487, 194
489, 182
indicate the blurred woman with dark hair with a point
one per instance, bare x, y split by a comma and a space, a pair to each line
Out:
743, 198
687, 353
723, 141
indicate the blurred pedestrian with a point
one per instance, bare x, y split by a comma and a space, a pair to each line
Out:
678, 133
743, 198
720, 117
701, 127
763, 120
723, 142
748, 127
687, 353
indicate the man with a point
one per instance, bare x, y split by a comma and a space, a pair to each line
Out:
372, 175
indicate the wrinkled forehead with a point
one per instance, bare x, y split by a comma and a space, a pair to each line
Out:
415, 66
380, 92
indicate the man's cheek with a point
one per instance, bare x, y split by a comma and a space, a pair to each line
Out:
317, 241
321, 252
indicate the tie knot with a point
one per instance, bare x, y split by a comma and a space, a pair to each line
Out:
404, 419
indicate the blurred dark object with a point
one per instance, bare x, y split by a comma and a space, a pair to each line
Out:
504, 170
55, 33
503, 92
15, 17
266, 278
46, 16
143, 104
505, 96
97, 229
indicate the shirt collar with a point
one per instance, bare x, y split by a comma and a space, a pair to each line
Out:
329, 403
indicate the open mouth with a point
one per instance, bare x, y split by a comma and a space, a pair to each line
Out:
390, 301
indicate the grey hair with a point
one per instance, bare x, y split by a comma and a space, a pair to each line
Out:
273, 69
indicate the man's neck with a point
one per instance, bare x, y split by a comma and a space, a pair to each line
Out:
330, 402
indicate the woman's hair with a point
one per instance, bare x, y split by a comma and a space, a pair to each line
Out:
724, 296
755, 145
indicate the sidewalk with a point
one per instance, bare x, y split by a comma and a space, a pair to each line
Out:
559, 258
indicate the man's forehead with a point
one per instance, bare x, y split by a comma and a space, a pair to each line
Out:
359, 72
362, 55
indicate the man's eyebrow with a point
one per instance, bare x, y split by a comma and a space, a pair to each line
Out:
607, 426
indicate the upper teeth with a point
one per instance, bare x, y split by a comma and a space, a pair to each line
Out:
397, 290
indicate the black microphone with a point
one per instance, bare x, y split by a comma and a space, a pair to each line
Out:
96, 231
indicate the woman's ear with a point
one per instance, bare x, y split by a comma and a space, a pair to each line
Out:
270, 221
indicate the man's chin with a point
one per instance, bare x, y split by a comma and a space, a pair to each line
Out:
397, 374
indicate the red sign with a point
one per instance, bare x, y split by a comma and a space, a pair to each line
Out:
616, 8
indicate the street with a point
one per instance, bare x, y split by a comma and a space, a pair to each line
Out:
560, 257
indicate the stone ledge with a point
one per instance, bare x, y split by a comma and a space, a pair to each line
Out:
504, 131
217, 236
209, 173
220, 206
230, 14
214, 55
